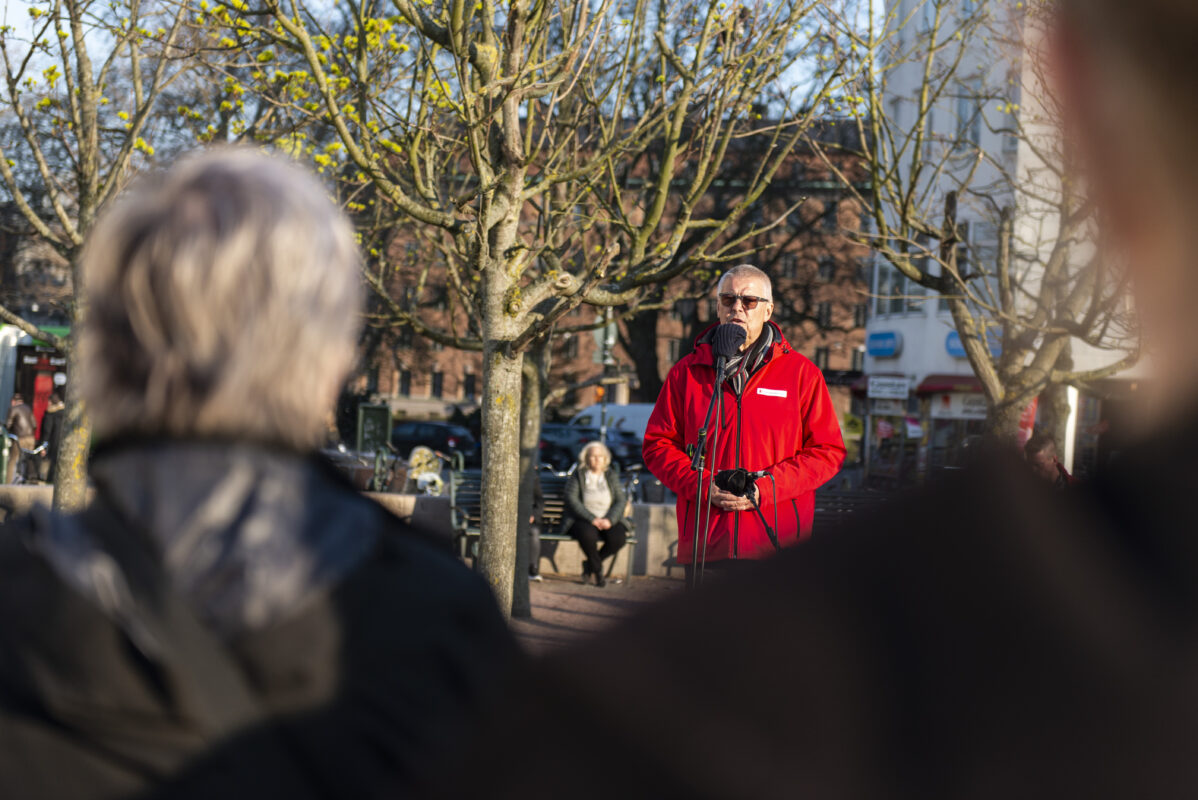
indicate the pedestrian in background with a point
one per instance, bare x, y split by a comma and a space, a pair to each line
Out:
52, 423
21, 424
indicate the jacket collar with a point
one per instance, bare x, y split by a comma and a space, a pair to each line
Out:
246, 533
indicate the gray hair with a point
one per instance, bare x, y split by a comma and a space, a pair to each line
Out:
224, 299
747, 271
595, 445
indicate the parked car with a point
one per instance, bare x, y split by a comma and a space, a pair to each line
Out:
560, 444
441, 436
625, 447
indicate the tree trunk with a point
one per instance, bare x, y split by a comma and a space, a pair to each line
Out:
1054, 414
1002, 422
70, 473
501, 477
530, 438
1054, 403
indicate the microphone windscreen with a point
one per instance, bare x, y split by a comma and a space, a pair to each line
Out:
728, 339
733, 481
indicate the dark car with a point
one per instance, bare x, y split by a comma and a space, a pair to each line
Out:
561, 444
441, 436
625, 447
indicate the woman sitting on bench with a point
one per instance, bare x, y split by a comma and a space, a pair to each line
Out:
594, 508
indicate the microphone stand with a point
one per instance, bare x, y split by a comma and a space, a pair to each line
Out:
770, 532
699, 464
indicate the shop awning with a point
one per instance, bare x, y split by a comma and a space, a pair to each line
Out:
944, 384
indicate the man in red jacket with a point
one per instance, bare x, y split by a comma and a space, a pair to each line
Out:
777, 417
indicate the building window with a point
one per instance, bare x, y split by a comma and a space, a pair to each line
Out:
469, 386
372, 380
821, 357
675, 350
570, 398
831, 216
438, 384
713, 312
824, 314
570, 350
790, 265
861, 315
405, 382
928, 16
858, 359
896, 294
969, 114
827, 269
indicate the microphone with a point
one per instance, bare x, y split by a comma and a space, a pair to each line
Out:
737, 481
726, 344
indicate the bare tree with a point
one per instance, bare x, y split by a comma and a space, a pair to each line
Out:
533, 150
959, 122
83, 89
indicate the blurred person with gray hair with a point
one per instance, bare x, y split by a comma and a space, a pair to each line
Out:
988, 637
228, 616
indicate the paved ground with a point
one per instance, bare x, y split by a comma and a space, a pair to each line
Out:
563, 610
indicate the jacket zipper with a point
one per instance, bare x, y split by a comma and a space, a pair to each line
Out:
736, 519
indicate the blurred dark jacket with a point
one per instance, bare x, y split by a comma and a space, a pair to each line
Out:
52, 423
986, 638
233, 621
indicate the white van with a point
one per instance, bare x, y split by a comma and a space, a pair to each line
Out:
632, 417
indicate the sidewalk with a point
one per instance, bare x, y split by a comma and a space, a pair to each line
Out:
564, 610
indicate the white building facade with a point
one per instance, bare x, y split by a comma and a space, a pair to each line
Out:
985, 138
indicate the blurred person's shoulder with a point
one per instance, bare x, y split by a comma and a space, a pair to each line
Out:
980, 622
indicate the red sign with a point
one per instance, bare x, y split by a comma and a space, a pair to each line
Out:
1027, 421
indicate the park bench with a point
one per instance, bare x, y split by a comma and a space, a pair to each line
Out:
465, 508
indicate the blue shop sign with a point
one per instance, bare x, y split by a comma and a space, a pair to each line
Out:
956, 348
884, 344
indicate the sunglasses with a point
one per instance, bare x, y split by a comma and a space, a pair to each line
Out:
749, 301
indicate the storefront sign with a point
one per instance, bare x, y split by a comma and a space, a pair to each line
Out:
959, 405
884, 344
954, 345
888, 408
882, 387
956, 348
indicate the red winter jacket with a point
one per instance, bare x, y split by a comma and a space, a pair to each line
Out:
784, 423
